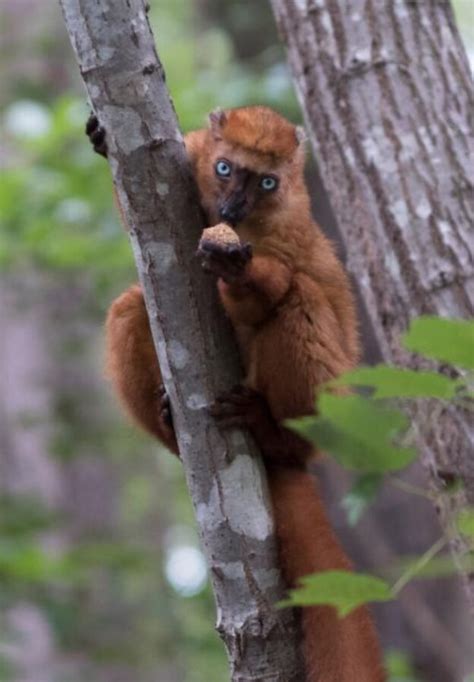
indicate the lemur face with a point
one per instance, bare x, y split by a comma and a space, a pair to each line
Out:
254, 156
241, 188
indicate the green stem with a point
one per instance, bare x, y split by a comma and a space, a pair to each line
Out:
418, 565
410, 488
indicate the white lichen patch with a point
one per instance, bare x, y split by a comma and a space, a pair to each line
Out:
399, 210
196, 401
326, 22
94, 91
185, 439
445, 229
302, 5
178, 354
362, 55
371, 149
234, 570
162, 188
379, 151
162, 255
423, 209
426, 138
105, 53
400, 9
349, 154
127, 126
242, 505
409, 147
164, 366
391, 264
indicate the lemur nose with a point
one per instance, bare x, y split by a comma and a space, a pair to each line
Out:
227, 214
232, 212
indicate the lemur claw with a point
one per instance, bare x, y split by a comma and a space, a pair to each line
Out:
165, 407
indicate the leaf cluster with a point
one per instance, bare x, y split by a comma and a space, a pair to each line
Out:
371, 435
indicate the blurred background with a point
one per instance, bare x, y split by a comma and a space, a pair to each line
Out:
101, 576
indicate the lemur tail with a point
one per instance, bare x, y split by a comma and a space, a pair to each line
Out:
335, 650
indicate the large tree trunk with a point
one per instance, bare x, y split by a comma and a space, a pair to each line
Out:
125, 81
388, 100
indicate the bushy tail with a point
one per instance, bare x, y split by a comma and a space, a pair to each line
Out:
335, 650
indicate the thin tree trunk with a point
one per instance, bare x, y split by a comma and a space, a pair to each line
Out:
125, 81
388, 100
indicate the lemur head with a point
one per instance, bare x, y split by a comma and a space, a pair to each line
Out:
255, 159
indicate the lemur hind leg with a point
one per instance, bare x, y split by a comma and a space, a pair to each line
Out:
132, 366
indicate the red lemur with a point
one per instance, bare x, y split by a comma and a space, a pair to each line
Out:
293, 312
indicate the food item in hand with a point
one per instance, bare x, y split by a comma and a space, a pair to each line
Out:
220, 234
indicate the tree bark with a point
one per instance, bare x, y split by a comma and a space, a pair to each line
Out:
387, 96
125, 81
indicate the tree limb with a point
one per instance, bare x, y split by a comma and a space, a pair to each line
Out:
125, 81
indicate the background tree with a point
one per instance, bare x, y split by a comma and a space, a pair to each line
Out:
388, 99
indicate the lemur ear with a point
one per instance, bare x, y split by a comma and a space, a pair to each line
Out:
217, 119
301, 136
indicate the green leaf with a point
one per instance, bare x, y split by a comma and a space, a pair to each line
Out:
465, 522
397, 382
342, 589
28, 563
446, 340
362, 493
358, 432
399, 667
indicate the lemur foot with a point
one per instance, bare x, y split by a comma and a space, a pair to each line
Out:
242, 406
227, 261
96, 135
247, 408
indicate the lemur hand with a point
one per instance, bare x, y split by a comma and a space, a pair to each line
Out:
96, 135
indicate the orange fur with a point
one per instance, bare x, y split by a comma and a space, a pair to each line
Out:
294, 316
132, 364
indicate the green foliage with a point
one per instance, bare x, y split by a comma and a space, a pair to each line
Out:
399, 382
358, 432
365, 434
57, 202
361, 495
450, 341
398, 667
23, 516
465, 522
26, 563
341, 589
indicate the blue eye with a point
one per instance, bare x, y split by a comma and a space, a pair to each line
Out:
223, 169
268, 183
